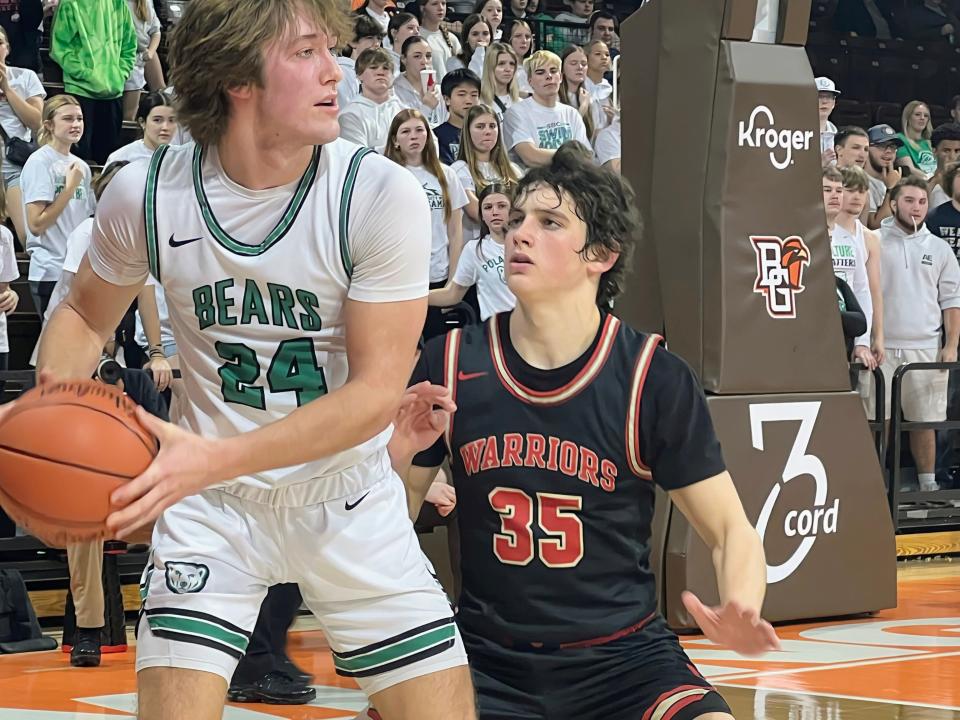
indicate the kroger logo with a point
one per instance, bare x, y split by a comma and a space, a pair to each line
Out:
760, 131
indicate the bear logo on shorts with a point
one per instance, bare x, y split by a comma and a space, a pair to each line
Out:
184, 577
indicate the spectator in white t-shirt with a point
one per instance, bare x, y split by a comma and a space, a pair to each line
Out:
366, 120
443, 43
21, 107
826, 101
402, 25
574, 92
607, 145
481, 262
520, 37
417, 55
56, 194
537, 126
475, 35
598, 66
482, 160
498, 83
376, 9
146, 25
410, 143
8, 296
157, 119
492, 12
367, 33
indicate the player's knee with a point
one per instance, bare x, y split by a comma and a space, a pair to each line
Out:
167, 693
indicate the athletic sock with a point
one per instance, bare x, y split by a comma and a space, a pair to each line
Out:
928, 481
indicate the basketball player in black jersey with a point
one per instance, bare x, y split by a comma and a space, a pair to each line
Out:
565, 418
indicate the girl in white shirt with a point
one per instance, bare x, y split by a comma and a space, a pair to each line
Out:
598, 63
146, 25
520, 37
475, 36
573, 90
410, 143
402, 25
56, 194
158, 125
498, 83
21, 107
417, 55
483, 160
492, 12
481, 262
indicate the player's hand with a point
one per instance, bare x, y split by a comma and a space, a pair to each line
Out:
891, 176
161, 371
424, 412
8, 301
443, 496
862, 354
947, 355
182, 467
733, 626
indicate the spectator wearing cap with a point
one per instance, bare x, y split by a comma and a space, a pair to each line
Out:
946, 148
883, 176
826, 101
917, 152
944, 221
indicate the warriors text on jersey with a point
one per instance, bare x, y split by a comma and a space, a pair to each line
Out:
554, 473
256, 283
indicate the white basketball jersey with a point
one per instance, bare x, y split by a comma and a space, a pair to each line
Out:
259, 322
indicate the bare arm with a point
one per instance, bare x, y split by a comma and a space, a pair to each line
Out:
149, 315
472, 208
43, 215
713, 508
81, 325
455, 238
532, 156
951, 323
874, 277
447, 296
29, 110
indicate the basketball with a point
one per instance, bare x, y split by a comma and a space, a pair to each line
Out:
64, 449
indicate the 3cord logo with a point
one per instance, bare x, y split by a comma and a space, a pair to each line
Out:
808, 523
787, 141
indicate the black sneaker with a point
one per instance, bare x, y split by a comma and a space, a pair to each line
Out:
274, 688
288, 667
86, 648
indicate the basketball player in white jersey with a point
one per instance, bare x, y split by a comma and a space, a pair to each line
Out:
296, 298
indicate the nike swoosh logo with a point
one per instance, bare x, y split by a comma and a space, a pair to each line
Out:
462, 376
348, 507
178, 243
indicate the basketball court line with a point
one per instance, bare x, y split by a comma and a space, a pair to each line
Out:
839, 696
835, 666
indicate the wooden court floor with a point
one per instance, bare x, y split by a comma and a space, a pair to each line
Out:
902, 664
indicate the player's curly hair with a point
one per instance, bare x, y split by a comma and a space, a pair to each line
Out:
604, 201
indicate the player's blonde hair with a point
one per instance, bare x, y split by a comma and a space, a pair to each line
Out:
220, 44
50, 108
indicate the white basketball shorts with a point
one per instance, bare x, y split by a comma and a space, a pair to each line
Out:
356, 559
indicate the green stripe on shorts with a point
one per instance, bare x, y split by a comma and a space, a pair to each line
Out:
194, 626
396, 651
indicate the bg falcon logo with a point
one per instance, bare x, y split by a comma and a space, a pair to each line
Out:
780, 265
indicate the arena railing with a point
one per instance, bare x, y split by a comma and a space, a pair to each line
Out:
918, 510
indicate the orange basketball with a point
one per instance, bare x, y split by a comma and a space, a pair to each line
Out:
64, 448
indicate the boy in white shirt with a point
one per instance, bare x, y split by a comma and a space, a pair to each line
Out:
367, 34
537, 126
366, 120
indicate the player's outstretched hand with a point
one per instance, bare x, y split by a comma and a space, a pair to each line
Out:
422, 417
181, 468
733, 626
443, 496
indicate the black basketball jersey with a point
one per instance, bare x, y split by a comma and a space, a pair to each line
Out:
554, 476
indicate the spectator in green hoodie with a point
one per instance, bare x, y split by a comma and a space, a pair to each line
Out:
95, 43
